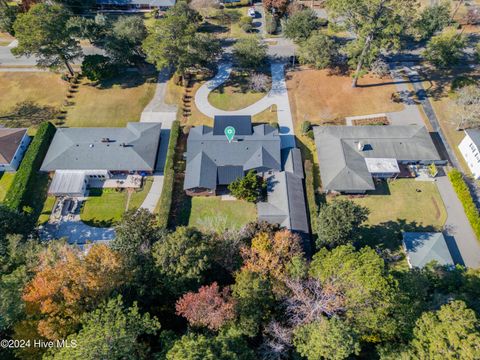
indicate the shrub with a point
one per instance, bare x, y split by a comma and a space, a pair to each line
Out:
463, 193
310, 189
165, 202
270, 23
306, 127
259, 82
462, 81
248, 188
20, 194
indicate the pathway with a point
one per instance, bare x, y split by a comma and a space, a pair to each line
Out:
278, 96
158, 111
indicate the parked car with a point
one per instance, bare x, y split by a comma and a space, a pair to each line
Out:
252, 13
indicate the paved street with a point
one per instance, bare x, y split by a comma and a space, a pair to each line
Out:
278, 95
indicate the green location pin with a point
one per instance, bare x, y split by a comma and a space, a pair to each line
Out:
229, 133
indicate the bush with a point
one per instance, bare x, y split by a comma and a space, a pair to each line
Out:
306, 127
310, 189
98, 67
248, 188
250, 53
246, 23
19, 195
270, 23
463, 193
165, 202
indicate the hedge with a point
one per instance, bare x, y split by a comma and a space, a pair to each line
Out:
165, 202
463, 193
22, 190
310, 189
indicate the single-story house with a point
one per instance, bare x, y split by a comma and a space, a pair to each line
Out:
135, 4
79, 155
213, 162
470, 149
424, 247
351, 157
13, 144
286, 203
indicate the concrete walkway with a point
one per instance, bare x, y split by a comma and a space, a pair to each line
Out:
278, 96
158, 111
462, 242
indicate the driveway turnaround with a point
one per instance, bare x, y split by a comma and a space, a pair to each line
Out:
278, 96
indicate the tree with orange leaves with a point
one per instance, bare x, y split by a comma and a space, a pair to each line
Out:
208, 307
62, 290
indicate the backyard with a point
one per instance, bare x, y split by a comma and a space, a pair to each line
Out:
320, 97
105, 207
6, 180
213, 213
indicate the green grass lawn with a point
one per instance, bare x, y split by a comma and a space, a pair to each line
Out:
211, 213
47, 210
234, 94
112, 104
6, 180
105, 207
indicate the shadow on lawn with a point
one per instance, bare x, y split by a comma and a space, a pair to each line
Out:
127, 80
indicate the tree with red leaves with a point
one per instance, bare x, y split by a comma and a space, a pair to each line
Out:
280, 6
208, 307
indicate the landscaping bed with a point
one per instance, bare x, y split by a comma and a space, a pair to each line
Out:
235, 93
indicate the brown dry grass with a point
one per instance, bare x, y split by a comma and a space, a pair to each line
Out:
319, 97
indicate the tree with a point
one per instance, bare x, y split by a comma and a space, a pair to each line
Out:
278, 7
12, 307
208, 307
326, 339
338, 222
247, 188
8, 15
377, 25
250, 53
318, 50
468, 101
182, 258
254, 301
277, 257
222, 347
432, 19
43, 32
174, 41
445, 49
110, 332
124, 43
98, 67
77, 6
367, 290
453, 332
301, 25
64, 288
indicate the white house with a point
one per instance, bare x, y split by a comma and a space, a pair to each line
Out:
469, 147
13, 144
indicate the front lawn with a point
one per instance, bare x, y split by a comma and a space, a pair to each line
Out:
113, 103
235, 94
213, 213
42, 88
6, 180
321, 97
105, 207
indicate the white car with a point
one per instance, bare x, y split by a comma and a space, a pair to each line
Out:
252, 13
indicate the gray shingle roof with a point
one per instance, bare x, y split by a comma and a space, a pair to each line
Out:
424, 247
474, 134
342, 163
133, 148
241, 123
259, 151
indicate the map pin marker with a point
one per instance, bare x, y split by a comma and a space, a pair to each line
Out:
229, 133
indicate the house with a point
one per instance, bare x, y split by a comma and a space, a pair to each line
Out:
351, 157
286, 203
469, 147
424, 247
135, 4
13, 144
79, 157
213, 162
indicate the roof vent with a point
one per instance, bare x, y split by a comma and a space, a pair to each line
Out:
105, 140
91, 145
362, 146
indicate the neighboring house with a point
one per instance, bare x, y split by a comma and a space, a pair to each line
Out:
351, 157
213, 162
13, 144
425, 247
470, 149
135, 4
78, 156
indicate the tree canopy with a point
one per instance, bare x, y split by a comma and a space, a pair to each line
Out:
445, 49
301, 25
